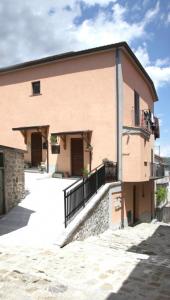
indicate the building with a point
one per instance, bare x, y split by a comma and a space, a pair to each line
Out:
72, 111
167, 165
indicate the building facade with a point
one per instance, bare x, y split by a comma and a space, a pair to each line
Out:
74, 110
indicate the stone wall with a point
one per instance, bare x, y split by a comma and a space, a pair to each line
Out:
14, 182
96, 222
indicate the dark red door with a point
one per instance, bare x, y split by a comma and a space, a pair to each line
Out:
77, 156
36, 149
135, 206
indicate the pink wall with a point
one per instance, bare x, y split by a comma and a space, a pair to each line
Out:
134, 80
76, 94
144, 196
136, 148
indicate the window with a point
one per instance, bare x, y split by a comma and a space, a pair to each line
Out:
136, 109
36, 87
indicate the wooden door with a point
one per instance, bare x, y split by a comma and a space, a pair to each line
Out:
36, 149
1, 192
135, 206
77, 156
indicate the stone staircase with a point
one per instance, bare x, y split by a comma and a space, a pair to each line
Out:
138, 237
128, 264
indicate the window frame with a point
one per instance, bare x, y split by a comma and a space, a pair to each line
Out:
34, 87
136, 109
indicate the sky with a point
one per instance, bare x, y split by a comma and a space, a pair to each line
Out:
31, 29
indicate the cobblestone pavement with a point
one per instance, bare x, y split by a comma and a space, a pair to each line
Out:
133, 263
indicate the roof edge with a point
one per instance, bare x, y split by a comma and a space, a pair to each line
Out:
73, 54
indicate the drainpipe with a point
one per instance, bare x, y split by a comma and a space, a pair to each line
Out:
119, 105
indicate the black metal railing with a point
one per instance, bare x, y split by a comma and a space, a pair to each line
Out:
142, 119
157, 170
77, 194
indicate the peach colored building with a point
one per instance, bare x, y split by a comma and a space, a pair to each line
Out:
73, 110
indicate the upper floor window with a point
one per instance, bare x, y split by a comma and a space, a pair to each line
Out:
36, 87
136, 109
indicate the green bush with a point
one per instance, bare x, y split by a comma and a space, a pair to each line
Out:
161, 195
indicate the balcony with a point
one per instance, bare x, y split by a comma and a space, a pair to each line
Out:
143, 119
146, 121
157, 170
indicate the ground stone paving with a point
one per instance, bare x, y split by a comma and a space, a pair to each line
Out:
133, 263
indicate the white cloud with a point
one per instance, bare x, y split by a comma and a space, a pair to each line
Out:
168, 19
160, 75
151, 13
165, 150
162, 62
100, 2
159, 70
143, 55
115, 28
32, 29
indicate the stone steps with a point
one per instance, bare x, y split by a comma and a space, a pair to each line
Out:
109, 266
134, 239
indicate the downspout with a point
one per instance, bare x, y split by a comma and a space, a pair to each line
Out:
119, 105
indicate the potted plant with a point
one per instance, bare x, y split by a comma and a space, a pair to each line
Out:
55, 148
85, 173
89, 148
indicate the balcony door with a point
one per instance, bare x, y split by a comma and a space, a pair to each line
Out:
77, 156
136, 109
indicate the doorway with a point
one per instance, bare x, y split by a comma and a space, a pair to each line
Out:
135, 206
36, 149
77, 161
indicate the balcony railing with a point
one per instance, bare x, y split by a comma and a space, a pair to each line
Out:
77, 194
143, 119
146, 120
157, 170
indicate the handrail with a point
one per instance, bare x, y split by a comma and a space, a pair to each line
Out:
72, 184
80, 192
82, 177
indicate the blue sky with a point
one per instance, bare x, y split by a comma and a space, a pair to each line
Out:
32, 29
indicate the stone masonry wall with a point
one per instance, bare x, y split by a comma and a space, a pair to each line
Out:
96, 222
14, 177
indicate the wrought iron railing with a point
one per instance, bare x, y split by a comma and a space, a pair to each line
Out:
157, 170
143, 120
77, 194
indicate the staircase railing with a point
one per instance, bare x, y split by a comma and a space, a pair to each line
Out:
78, 193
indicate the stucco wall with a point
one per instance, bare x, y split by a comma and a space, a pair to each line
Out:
136, 156
145, 199
134, 80
14, 189
76, 94
136, 147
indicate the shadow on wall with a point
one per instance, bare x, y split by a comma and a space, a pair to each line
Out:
17, 218
150, 278
60, 68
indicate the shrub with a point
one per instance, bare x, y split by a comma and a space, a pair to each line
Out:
161, 195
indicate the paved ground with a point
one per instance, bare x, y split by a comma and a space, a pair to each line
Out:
124, 265
39, 218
